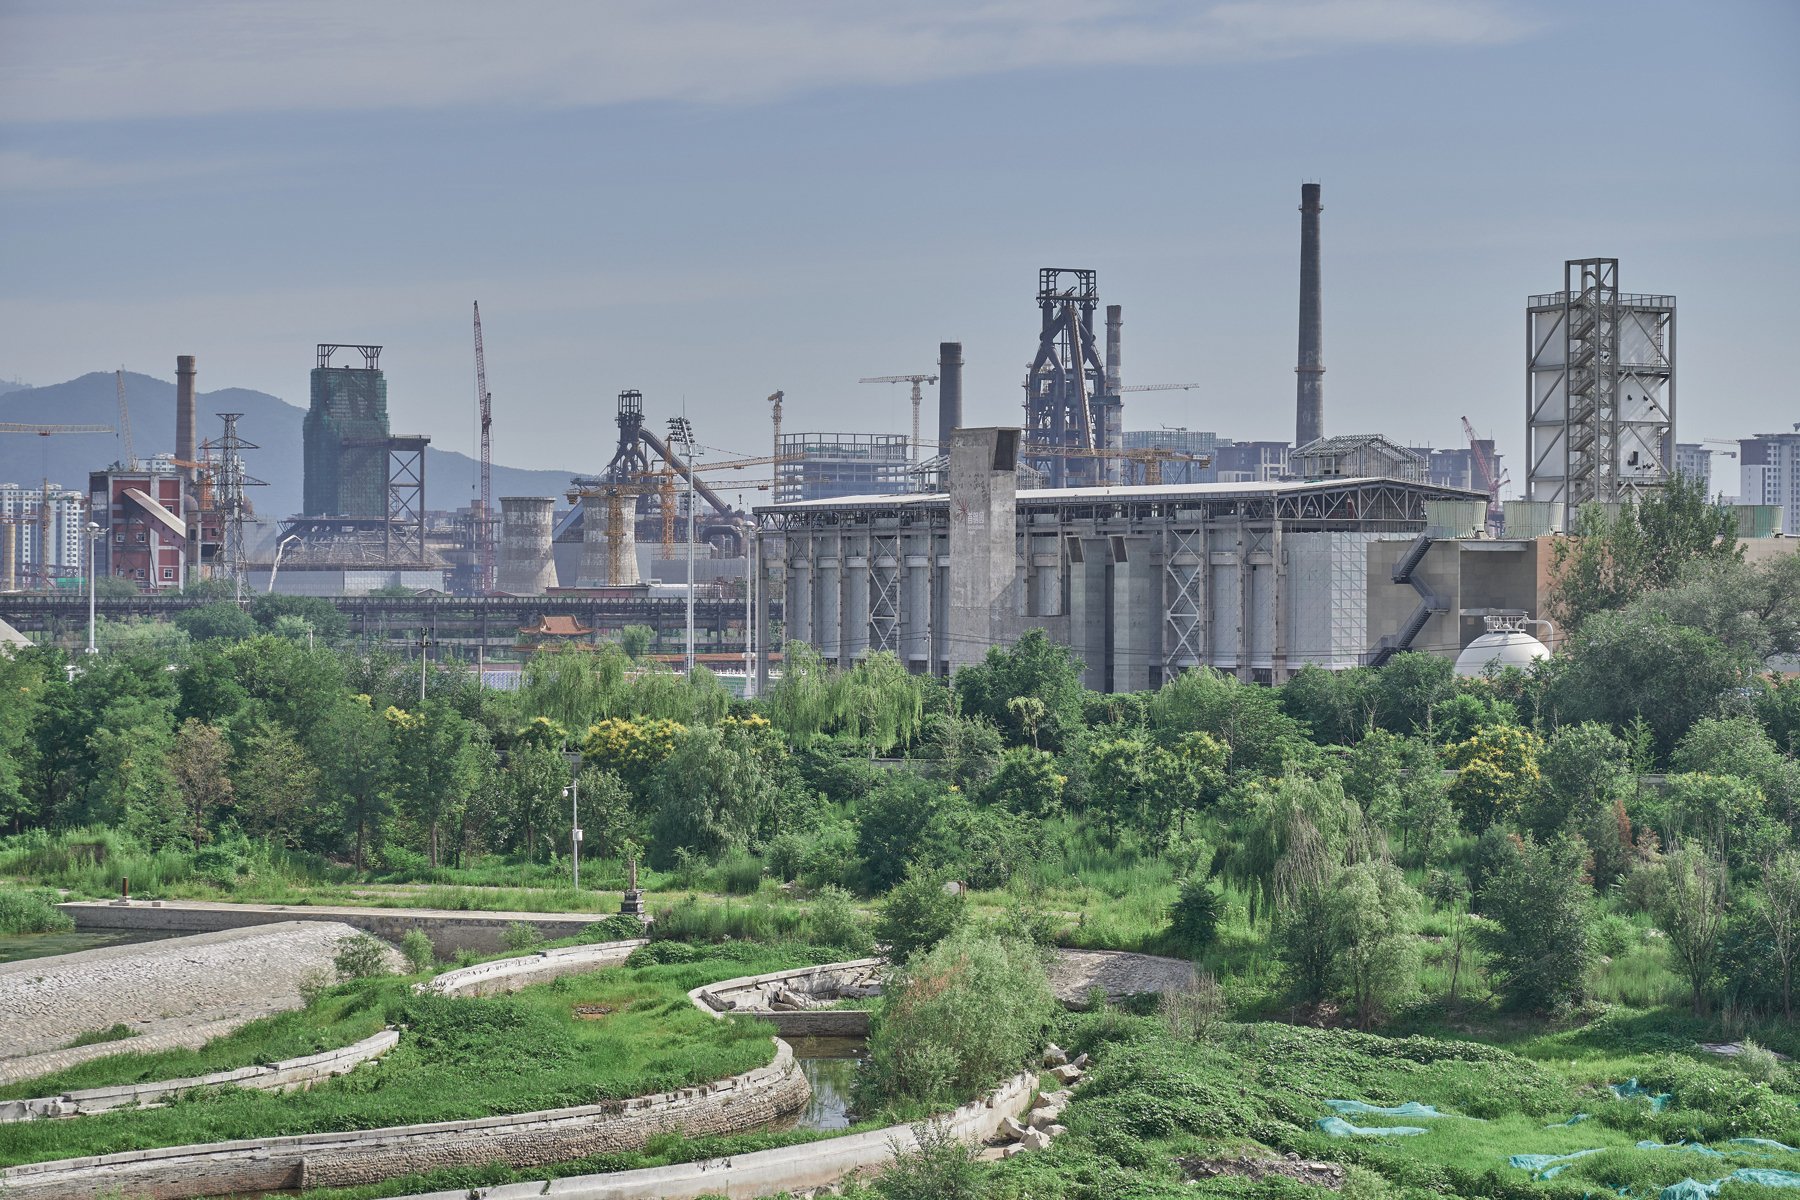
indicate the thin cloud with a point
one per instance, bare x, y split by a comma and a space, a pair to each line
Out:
64, 61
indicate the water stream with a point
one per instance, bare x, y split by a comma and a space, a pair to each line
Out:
18, 947
830, 1065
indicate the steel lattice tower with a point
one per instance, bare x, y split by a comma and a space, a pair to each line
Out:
1068, 401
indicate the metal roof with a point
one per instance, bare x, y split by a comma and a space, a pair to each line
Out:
1154, 491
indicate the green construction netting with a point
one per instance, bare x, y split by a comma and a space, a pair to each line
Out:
1629, 1090
1549, 1166
1412, 1108
1693, 1189
1338, 1127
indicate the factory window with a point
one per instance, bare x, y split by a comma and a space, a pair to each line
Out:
140, 537
119, 536
138, 574
168, 572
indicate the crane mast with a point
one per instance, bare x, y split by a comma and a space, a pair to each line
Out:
484, 524
1496, 513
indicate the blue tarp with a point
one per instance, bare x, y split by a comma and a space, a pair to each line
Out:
1765, 1143
1412, 1108
1630, 1090
1338, 1127
1693, 1189
1695, 1147
1577, 1119
1549, 1166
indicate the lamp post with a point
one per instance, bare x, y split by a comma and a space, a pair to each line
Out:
573, 792
275, 566
93, 538
749, 606
424, 650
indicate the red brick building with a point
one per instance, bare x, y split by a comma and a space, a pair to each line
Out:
144, 533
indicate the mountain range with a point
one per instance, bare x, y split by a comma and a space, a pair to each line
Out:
270, 422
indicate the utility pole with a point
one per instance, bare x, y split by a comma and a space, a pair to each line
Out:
681, 433
573, 792
424, 641
93, 532
749, 605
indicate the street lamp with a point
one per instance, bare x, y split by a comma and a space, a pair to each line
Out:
573, 793
275, 566
93, 538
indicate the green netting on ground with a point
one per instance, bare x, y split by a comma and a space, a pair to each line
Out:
1577, 1119
1338, 1127
1412, 1108
1629, 1090
1549, 1166
1693, 1189
1692, 1147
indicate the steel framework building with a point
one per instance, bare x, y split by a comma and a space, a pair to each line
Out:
1141, 582
820, 466
1071, 398
1599, 391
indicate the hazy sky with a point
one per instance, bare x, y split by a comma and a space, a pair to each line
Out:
711, 200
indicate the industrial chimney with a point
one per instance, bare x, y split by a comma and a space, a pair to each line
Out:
1115, 323
1309, 387
950, 414
186, 412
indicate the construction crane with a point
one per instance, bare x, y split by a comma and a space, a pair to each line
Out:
775, 399
915, 380
484, 531
1491, 480
43, 566
1160, 387
130, 459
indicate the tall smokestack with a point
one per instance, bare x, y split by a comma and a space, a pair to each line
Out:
186, 411
950, 414
1309, 387
1115, 322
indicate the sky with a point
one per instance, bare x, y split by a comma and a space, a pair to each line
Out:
711, 200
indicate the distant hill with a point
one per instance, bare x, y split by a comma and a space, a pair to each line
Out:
14, 386
273, 424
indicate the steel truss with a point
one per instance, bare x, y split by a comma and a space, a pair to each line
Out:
884, 590
1185, 567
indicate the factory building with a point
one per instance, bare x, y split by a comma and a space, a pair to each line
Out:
823, 466
143, 535
1769, 474
1357, 456
346, 431
1141, 582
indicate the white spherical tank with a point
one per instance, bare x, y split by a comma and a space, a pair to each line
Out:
1499, 649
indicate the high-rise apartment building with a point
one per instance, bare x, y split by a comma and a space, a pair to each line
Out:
59, 528
1694, 461
1769, 473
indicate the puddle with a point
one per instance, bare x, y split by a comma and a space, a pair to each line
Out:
830, 1065
21, 946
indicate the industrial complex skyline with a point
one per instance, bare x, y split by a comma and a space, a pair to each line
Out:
808, 196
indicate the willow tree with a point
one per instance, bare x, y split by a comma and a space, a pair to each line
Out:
880, 702
696, 699
803, 703
575, 688
1290, 838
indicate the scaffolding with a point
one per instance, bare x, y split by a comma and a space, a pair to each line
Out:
823, 466
1600, 390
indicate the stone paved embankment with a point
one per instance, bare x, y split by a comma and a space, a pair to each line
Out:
155, 987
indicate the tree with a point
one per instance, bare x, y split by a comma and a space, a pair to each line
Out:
1457, 718
1338, 706
327, 623
22, 684
1726, 814
708, 795
1611, 558
1027, 782
1260, 738
918, 914
1741, 746
1691, 912
636, 640
1753, 608
966, 749
1497, 775
354, 753
534, 779
881, 703
1586, 767
1034, 667
435, 767
1399, 783
957, 1018
1288, 839
575, 687
1536, 901
218, 620
1372, 912
898, 826
274, 781
1778, 912
803, 702
1778, 708
199, 760
1194, 917
1409, 689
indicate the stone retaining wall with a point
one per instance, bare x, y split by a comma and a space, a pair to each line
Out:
274, 1077
752, 996
450, 930
766, 1172
368, 1156
511, 974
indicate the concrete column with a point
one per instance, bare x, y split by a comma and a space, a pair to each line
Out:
1245, 586
983, 542
1088, 606
1137, 617
854, 615
1278, 644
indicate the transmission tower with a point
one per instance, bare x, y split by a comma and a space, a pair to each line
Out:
227, 451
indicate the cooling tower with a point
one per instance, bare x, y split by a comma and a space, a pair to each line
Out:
609, 540
526, 566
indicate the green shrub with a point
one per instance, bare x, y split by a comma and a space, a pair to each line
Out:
691, 920
31, 912
660, 953
360, 957
957, 1019
94, 1037
740, 874
520, 936
917, 915
1194, 917
944, 1167
832, 920
420, 955
619, 927
785, 856
1759, 1063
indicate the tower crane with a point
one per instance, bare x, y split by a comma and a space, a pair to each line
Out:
484, 525
1159, 387
915, 380
1492, 480
43, 545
